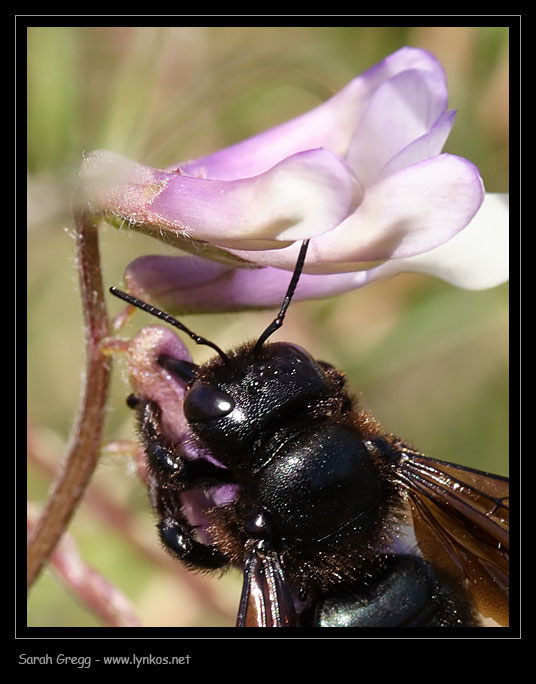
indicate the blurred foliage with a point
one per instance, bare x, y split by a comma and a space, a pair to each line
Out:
429, 360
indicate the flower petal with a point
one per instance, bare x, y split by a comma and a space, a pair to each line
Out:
191, 284
150, 381
427, 146
406, 213
178, 284
475, 259
401, 110
331, 125
304, 195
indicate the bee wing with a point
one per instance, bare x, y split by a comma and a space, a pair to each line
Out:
461, 519
266, 600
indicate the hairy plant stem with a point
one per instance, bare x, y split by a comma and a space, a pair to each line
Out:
84, 443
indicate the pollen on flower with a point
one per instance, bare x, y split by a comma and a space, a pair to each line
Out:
151, 191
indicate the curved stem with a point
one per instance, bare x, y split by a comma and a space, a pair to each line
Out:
83, 448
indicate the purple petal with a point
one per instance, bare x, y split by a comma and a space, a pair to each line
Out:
180, 284
476, 258
194, 285
306, 194
331, 125
406, 213
401, 110
427, 146
151, 381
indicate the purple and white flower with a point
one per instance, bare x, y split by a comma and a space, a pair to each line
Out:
362, 175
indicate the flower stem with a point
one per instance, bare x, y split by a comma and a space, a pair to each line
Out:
83, 447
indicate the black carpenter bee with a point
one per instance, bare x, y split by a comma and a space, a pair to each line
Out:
284, 476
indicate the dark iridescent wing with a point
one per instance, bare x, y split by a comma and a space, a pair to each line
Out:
461, 521
266, 600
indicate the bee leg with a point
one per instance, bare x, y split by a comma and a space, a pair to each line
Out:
172, 474
178, 537
164, 459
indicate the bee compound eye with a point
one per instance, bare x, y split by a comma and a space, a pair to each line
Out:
206, 402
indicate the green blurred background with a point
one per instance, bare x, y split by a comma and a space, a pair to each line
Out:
429, 360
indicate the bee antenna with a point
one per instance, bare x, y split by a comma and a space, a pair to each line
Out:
168, 318
278, 321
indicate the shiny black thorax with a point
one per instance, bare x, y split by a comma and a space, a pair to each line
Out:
311, 473
293, 444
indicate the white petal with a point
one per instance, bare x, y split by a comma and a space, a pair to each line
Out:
475, 259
